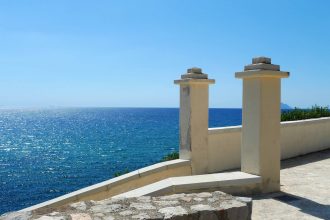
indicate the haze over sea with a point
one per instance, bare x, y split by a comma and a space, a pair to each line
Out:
47, 153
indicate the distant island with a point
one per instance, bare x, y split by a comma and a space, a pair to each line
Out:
285, 106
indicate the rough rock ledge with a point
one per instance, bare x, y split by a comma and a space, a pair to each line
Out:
200, 206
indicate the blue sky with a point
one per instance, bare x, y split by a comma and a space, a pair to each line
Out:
127, 53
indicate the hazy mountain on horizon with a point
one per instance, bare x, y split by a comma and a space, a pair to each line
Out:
285, 106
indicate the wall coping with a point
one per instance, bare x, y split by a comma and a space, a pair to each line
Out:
231, 129
307, 121
184, 184
106, 185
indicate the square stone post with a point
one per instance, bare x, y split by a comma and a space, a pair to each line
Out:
194, 107
260, 149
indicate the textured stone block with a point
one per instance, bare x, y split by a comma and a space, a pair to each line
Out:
266, 60
262, 66
201, 206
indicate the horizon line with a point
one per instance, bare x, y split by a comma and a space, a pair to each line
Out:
118, 107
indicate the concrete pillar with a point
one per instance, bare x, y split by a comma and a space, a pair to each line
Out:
194, 104
260, 149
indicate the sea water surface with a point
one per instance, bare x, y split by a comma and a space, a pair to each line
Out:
47, 153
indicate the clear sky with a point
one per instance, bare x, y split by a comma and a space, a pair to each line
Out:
127, 53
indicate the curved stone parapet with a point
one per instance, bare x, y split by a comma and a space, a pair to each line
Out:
121, 184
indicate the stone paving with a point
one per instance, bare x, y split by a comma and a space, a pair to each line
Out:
305, 190
199, 206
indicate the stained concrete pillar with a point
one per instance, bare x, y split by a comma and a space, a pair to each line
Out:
260, 148
194, 104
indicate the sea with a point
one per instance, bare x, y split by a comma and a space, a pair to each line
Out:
46, 153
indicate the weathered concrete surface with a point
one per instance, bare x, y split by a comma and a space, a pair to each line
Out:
305, 190
229, 182
194, 118
199, 206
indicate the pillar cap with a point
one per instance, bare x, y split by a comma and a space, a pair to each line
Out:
194, 75
262, 67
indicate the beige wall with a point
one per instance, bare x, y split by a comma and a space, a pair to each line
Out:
297, 138
304, 137
224, 148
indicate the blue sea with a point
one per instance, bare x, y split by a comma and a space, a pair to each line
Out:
47, 153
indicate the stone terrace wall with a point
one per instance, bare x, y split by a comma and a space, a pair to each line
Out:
199, 206
297, 138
